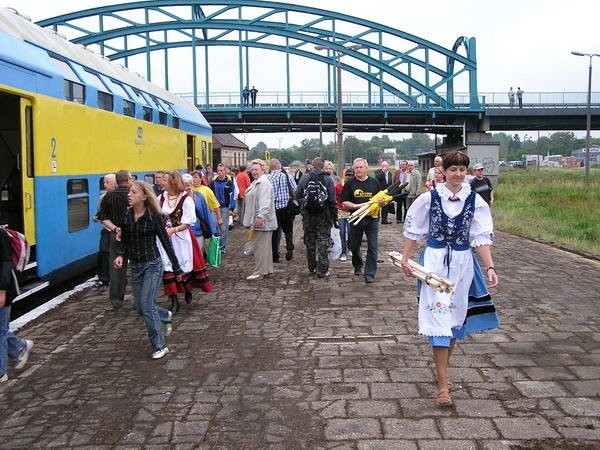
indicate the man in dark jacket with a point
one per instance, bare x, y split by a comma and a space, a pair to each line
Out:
11, 346
384, 176
317, 223
112, 213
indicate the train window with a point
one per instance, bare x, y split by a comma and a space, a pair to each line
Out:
162, 118
74, 92
118, 89
149, 178
147, 113
141, 98
105, 101
65, 69
128, 108
175, 122
78, 199
96, 81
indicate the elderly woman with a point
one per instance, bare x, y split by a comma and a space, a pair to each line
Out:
259, 216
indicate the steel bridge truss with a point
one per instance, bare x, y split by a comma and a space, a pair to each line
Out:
416, 73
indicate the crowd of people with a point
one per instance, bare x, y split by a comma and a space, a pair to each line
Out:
160, 233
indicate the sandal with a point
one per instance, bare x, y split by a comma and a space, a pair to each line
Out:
443, 398
448, 383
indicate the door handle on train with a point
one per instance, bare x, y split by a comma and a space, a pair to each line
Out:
27, 200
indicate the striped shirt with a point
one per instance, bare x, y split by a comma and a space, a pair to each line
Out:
114, 205
138, 239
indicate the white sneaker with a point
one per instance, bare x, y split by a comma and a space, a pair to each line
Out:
24, 355
4, 378
343, 258
160, 353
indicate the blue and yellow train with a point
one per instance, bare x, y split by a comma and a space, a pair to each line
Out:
67, 117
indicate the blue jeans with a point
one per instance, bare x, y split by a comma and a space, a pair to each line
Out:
145, 281
224, 228
345, 228
10, 345
370, 227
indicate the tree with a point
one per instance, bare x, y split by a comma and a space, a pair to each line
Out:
260, 147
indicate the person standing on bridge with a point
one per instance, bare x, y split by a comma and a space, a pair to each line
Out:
253, 93
520, 97
453, 220
246, 95
511, 97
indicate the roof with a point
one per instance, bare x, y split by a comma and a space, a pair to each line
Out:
227, 140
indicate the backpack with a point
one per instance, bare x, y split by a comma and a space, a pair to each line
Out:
20, 249
315, 195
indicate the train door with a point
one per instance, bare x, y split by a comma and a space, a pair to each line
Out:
191, 159
16, 171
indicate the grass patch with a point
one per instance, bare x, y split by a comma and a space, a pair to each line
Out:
555, 205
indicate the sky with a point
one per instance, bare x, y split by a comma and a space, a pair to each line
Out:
519, 43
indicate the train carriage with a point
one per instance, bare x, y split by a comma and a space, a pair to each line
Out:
67, 117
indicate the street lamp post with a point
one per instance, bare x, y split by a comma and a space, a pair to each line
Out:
340, 120
588, 138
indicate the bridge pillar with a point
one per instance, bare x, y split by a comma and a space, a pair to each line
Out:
482, 149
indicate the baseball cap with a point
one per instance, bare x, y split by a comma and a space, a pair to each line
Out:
478, 166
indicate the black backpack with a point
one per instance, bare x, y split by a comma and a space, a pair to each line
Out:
315, 195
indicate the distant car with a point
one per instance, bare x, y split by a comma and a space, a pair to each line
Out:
518, 164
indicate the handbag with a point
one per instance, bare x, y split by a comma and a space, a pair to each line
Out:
293, 207
213, 252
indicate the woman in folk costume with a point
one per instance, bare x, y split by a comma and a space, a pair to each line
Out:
180, 214
452, 219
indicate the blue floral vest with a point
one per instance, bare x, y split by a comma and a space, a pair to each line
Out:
451, 233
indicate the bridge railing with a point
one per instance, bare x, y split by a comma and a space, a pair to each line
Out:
319, 99
365, 99
541, 99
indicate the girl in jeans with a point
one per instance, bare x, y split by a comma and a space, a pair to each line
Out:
142, 225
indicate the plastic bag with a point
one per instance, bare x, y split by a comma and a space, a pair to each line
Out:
249, 244
213, 252
335, 245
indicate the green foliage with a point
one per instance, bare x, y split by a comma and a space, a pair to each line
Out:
555, 205
371, 150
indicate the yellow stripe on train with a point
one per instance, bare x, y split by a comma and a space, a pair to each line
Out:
71, 139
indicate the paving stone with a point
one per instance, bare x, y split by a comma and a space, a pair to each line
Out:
447, 445
373, 408
413, 428
584, 388
580, 406
297, 363
524, 428
455, 428
344, 429
540, 388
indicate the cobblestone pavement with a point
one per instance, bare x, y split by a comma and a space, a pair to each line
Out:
296, 362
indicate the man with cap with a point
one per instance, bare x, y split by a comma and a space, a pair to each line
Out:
482, 185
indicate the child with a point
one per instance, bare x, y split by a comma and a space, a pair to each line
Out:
453, 219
